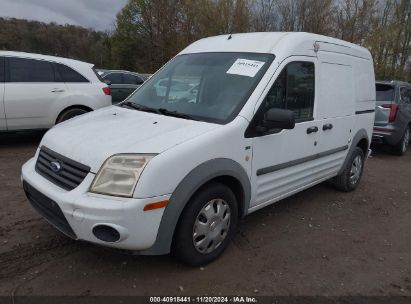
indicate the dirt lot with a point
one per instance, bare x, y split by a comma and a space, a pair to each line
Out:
319, 242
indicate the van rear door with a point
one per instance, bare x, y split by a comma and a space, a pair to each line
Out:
385, 101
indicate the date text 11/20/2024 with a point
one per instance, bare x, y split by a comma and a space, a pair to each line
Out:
203, 299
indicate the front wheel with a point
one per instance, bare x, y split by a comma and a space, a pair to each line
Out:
350, 178
402, 146
206, 225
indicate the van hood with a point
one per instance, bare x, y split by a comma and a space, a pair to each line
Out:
91, 138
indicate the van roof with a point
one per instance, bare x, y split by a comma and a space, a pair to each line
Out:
277, 43
76, 64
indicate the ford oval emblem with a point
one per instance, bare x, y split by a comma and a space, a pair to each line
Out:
55, 166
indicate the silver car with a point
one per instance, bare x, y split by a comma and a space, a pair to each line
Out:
393, 115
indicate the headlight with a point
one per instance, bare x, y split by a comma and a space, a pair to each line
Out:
119, 174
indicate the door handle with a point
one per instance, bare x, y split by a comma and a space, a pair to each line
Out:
312, 130
327, 127
57, 91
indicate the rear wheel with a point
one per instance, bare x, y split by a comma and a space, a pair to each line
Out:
70, 113
206, 226
402, 146
350, 178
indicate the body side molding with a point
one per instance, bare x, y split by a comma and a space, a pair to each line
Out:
364, 112
299, 161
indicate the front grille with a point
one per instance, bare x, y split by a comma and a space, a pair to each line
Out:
70, 173
49, 210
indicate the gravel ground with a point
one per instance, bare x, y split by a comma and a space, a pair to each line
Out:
318, 242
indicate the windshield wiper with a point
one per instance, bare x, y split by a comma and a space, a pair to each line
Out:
160, 111
175, 114
139, 107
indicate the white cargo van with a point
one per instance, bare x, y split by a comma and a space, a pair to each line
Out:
273, 114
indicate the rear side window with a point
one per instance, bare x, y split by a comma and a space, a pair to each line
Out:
2, 77
384, 92
114, 78
131, 79
294, 90
67, 74
30, 70
405, 95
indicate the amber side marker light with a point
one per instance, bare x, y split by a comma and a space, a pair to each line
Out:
156, 205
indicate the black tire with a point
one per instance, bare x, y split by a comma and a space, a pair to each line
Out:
70, 113
402, 146
183, 243
344, 181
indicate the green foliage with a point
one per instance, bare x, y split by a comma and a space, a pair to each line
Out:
51, 39
148, 33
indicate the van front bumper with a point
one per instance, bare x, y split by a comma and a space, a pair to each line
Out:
77, 213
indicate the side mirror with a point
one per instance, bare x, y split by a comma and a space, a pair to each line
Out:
279, 119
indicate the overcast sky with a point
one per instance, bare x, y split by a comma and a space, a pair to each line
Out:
97, 14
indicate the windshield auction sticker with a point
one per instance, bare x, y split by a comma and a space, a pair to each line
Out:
245, 67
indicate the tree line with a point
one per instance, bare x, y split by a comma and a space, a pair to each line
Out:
148, 33
52, 39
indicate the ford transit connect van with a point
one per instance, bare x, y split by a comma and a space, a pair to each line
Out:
273, 114
38, 91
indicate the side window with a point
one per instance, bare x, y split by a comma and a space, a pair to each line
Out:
2, 77
114, 78
384, 92
294, 90
405, 95
131, 79
403, 92
30, 70
67, 74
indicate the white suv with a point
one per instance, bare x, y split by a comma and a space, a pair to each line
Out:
272, 114
38, 91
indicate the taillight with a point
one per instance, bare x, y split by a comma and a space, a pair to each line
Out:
107, 90
393, 110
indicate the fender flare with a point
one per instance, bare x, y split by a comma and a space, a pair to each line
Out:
360, 135
199, 176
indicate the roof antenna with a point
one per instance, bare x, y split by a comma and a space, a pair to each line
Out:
229, 37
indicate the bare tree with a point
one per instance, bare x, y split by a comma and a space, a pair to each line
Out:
289, 14
265, 15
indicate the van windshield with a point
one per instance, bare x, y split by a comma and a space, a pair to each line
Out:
384, 92
210, 87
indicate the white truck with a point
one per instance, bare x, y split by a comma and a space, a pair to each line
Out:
274, 114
